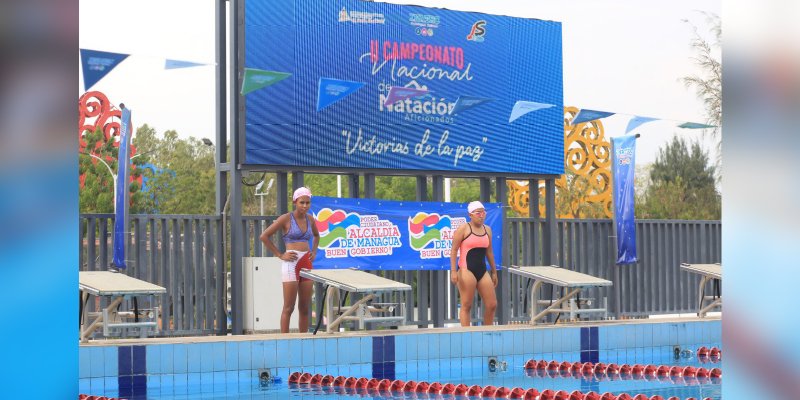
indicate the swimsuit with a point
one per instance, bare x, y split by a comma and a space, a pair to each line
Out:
473, 253
290, 270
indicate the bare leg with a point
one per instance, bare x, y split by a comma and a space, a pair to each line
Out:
289, 298
486, 291
466, 288
304, 303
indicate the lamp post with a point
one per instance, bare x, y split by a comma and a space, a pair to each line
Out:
264, 193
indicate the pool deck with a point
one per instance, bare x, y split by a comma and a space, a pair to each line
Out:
404, 330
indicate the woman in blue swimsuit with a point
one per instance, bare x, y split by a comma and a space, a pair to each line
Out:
299, 227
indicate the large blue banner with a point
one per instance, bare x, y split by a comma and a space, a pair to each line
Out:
622, 169
348, 59
121, 195
374, 234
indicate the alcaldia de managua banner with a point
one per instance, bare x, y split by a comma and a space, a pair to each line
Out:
369, 85
372, 234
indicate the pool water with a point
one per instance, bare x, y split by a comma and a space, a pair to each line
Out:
503, 373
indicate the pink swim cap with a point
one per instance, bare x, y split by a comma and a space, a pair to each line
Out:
300, 192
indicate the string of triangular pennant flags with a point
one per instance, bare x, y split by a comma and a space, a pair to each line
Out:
97, 64
586, 115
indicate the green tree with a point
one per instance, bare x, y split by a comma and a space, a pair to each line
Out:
96, 194
682, 184
708, 84
186, 182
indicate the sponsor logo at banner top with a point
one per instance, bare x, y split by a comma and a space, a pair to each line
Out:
424, 23
100, 63
478, 31
427, 108
343, 234
431, 234
429, 21
624, 155
361, 17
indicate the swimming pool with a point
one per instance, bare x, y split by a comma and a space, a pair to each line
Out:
229, 367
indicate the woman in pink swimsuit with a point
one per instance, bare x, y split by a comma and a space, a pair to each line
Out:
298, 227
472, 244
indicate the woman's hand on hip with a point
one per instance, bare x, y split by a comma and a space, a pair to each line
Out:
288, 256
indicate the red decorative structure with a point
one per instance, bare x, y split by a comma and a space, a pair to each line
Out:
95, 111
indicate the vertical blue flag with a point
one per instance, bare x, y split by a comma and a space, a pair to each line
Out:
333, 90
121, 195
622, 169
97, 64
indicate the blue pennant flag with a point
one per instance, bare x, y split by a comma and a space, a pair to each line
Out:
589, 115
333, 90
695, 125
175, 64
622, 169
523, 107
121, 195
97, 64
637, 121
467, 102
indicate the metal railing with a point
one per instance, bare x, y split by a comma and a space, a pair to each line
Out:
182, 253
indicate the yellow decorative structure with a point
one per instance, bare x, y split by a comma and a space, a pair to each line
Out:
584, 191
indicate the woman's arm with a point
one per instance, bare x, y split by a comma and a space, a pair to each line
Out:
490, 257
315, 241
457, 238
265, 237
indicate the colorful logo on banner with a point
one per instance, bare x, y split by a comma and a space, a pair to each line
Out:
378, 234
431, 234
622, 170
478, 31
344, 234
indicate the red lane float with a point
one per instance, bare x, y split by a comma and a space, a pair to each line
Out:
715, 373
350, 382
397, 385
516, 393
384, 385
474, 390
561, 395
576, 395
422, 387
625, 396
547, 394
656, 397
488, 391
409, 386
327, 380
435, 388
373, 383
460, 389
448, 388
531, 394
315, 379
590, 395
502, 392
608, 396
294, 377
338, 381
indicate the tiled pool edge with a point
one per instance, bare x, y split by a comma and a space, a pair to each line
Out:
118, 368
